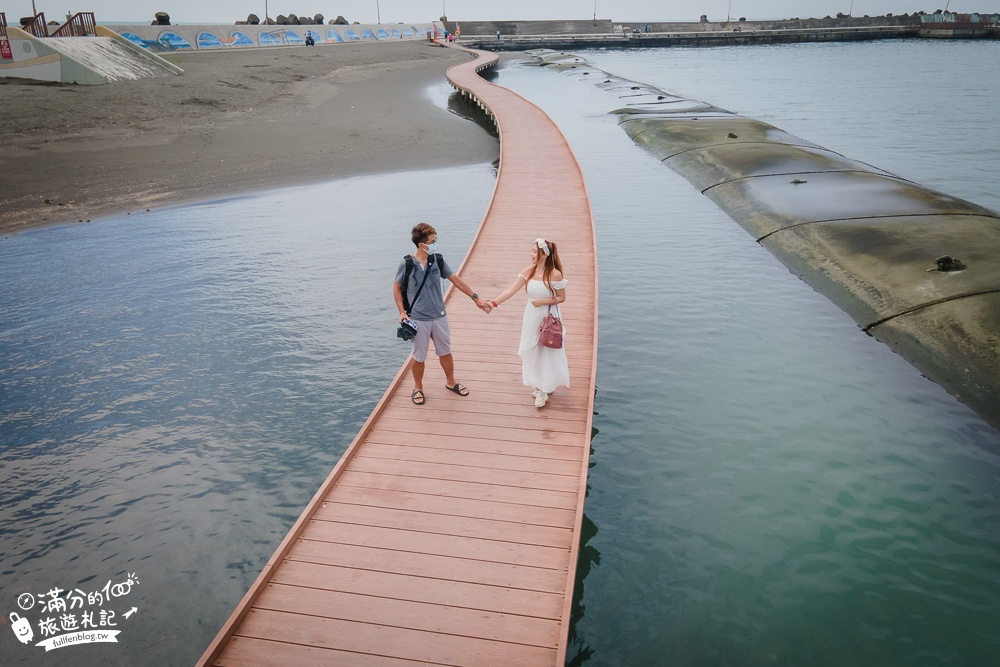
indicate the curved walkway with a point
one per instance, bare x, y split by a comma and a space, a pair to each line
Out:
448, 534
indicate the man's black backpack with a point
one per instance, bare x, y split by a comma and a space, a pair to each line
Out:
431, 259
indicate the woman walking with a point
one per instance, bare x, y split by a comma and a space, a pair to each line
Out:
542, 368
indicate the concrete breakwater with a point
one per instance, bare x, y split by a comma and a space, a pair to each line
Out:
915, 268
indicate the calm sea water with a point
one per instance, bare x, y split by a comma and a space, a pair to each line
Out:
769, 486
175, 385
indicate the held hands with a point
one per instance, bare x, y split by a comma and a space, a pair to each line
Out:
491, 305
484, 306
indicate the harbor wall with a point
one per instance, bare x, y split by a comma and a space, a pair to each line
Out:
567, 35
609, 26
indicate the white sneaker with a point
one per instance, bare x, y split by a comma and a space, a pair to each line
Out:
540, 399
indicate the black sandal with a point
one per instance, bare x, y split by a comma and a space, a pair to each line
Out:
417, 397
459, 389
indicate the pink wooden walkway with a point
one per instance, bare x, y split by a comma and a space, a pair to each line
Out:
448, 534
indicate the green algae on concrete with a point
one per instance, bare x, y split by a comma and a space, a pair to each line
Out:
873, 243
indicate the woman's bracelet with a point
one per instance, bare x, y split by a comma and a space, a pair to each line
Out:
495, 304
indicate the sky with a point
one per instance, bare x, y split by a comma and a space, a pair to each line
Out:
413, 11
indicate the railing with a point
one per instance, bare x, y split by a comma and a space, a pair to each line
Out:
36, 26
80, 24
3, 25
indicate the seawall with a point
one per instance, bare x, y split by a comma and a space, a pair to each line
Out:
215, 36
123, 52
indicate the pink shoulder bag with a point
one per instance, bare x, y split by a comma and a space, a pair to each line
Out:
550, 333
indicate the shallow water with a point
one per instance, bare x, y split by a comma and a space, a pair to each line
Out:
769, 485
175, 385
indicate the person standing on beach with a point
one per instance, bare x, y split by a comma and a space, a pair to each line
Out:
424, 286
542, 368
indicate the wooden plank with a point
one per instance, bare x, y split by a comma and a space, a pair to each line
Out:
520, 433
517, 479
405, 519
431, 647
472, 491
486, 446
428, 566
457, 593
423, 616
474, 414
492, 404
252, 652
502, 461
436, 543
460, 507
569, 417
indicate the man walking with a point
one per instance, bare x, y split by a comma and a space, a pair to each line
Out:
424, 304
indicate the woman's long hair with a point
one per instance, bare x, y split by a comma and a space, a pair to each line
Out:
551, 262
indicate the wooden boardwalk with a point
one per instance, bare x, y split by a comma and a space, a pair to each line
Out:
448, 534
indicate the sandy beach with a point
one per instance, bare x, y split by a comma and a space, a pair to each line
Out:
237, 121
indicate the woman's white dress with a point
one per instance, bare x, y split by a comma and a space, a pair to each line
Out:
542, 367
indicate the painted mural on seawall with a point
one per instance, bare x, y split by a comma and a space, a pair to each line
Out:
196, 37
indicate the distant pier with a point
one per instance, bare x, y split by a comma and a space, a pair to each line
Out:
708, 38
605, 33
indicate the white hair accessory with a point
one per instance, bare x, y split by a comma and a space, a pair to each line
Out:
543, 246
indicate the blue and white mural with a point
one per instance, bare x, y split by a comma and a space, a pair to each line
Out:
185, 37
207, 40
173, 41
150, 44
